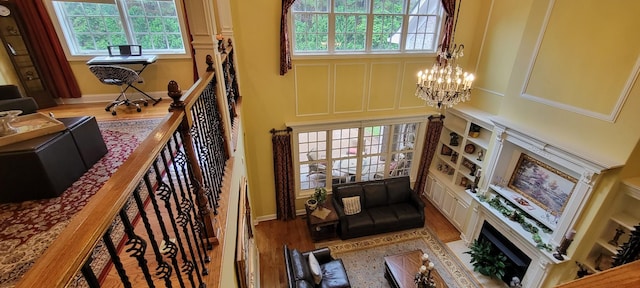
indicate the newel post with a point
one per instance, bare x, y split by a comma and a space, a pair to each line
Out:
187, 141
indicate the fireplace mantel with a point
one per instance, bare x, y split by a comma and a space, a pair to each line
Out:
509, 144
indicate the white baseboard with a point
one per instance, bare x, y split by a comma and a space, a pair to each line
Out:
275, 216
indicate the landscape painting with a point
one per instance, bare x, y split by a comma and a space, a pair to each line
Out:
546, 186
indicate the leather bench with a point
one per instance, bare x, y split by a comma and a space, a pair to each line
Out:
87, 137
39, 168
45, 166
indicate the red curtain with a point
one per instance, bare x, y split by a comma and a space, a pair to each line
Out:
283, 174
47, 51
449, 9
285, 47
428, 150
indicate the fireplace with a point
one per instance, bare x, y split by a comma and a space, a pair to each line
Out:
518, 261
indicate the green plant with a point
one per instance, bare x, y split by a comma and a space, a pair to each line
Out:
320, 195
486, 261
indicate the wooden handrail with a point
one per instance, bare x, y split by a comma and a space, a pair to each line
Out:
70, 250
624, 276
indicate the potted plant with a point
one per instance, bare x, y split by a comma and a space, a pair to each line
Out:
486, 261
318, 197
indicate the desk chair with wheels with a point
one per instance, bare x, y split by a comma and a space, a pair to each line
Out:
119, 76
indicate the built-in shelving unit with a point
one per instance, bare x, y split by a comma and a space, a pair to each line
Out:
622, 222
460, 154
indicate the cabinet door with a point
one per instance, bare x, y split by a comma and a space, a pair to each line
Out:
437, 191
460, 213
427, 187
448, 202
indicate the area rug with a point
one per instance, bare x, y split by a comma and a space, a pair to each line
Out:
364, 258
28, 228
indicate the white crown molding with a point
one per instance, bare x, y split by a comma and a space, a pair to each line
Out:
611, 117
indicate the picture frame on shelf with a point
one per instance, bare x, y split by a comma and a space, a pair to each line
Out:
542, 184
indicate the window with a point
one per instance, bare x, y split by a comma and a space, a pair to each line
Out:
353, 152
365, 26
90, 26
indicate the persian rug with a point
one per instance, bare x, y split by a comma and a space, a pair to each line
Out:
28, 228
364, 258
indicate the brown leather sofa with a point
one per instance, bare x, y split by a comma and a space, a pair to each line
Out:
386, 205
299, 274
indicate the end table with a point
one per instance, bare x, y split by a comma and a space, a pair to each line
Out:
321, 229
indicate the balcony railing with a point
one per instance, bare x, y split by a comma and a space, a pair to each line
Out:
170, 185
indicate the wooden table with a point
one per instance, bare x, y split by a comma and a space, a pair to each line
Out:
322, 228
401, 269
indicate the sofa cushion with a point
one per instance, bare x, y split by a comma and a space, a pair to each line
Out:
375, 194
314, 266
359, 223
399, 189
348, 191
300, 266
406, 212
383, 217
351, 205
334, 275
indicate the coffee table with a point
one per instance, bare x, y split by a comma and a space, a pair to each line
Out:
401, 269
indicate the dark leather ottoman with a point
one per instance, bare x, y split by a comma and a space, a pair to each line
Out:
39, 168
88, 139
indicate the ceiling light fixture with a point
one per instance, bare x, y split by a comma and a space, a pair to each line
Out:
446, 84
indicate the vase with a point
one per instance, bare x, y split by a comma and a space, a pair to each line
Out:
312, 204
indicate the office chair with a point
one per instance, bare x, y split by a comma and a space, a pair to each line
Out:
119, 76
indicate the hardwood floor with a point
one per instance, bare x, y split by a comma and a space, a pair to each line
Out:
272, 235
97, 109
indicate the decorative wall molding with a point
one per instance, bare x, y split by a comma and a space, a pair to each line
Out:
489, 91
335, 81
611, 117
397, 86
296, 85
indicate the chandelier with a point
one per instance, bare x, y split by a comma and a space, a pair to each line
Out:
446, 84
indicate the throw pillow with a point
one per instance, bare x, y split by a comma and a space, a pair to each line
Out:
351, 205
300, 266
316, 271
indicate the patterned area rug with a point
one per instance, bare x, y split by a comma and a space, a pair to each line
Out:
28, 228
364, 258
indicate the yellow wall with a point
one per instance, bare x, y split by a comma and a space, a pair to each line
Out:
156, 77
315, 89
7, 72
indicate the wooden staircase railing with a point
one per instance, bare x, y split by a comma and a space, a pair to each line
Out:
176, 175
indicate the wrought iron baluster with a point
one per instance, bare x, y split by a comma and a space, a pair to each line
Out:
115, 258
138, 246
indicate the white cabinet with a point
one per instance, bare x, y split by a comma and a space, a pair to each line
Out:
427, 187
461, 151
460, 213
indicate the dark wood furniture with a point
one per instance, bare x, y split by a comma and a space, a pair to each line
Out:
321, 229
401, 269
45, 166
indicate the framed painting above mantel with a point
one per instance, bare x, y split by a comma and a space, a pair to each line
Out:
542, 184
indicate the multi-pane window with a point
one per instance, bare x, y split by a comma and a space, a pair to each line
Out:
90, 26
363, 26
327, 156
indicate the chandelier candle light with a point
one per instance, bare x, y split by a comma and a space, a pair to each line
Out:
446, 84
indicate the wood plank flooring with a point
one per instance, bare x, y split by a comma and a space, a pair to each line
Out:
270, 235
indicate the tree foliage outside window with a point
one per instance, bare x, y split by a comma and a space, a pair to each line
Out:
91, 26
363, 26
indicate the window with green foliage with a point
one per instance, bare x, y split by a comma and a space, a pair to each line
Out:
365, 26
90, 26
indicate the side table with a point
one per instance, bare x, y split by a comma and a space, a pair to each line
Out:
321, 229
